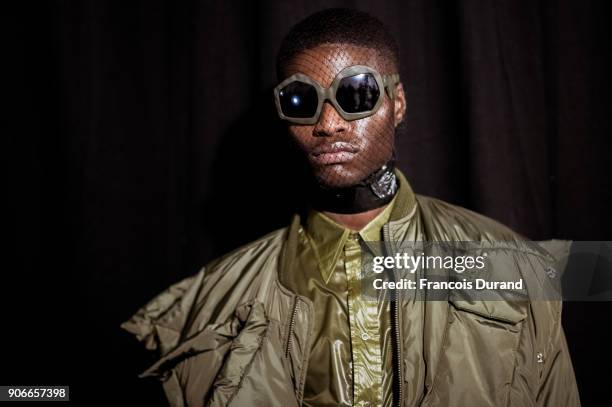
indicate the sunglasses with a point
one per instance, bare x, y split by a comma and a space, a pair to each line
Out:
355, 93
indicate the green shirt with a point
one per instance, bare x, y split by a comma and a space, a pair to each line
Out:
350, 361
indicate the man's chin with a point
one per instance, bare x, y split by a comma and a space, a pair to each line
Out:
337, 176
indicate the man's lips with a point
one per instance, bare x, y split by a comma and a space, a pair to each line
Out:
333, 153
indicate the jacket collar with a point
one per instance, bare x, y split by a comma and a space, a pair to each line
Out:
405, 202
401, 225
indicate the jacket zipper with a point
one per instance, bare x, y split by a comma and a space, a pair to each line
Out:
291, 325
398, 352
395, 328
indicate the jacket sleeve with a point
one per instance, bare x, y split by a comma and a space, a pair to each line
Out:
188, 366
234, 363
229, 360
558, 384
209, 368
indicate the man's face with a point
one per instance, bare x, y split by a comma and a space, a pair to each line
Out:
343, 153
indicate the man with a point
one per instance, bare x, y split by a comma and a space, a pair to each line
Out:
283, 320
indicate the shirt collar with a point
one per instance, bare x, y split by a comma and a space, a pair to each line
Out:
328, 237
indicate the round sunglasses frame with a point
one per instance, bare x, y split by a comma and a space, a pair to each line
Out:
386, 82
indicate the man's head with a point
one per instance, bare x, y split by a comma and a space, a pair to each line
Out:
343, 151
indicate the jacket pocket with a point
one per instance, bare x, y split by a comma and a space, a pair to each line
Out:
254, 372
478, 354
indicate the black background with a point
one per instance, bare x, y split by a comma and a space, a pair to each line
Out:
142, 142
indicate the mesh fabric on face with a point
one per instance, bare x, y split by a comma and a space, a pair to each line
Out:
343, 153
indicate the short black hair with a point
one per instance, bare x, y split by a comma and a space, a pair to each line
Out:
337, 25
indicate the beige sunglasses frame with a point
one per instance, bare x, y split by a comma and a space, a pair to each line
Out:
386, 82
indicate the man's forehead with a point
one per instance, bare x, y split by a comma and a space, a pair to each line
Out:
323, 62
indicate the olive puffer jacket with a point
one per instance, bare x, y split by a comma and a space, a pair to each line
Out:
233, 335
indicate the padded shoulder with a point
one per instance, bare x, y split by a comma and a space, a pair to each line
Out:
210, 296
451, 222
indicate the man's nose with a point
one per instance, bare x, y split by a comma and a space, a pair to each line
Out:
330, 122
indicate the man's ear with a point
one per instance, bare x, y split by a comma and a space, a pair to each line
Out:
400, 103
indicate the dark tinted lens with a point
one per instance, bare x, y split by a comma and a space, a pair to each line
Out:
298, 99
358, 93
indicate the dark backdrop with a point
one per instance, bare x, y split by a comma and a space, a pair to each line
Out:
143, 143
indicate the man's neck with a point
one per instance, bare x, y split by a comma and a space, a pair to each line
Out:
355, 221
